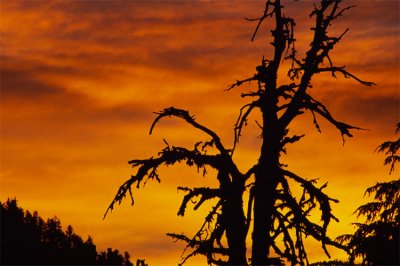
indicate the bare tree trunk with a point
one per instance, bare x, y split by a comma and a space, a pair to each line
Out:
266, 180
266, 176
235, 226
234, 219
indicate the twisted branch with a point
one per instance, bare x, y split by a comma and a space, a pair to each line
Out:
172, 111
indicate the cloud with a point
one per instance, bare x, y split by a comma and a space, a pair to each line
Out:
15, 83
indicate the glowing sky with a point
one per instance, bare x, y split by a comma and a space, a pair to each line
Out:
80, 80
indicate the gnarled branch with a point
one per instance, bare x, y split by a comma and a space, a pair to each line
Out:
205, 193
172, 111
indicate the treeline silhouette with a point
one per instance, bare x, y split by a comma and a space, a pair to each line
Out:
27, 239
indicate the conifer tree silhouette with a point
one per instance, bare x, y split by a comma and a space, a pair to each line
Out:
26, 239
377, 241
279, 219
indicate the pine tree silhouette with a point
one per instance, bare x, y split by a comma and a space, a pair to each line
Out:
377, 241
26, 239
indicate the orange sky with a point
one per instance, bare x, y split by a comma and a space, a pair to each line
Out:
80, 80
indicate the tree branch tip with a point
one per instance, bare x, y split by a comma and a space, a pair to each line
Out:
104, 217
251, 19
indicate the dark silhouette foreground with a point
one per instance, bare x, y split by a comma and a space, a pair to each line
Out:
26, 239
279, 218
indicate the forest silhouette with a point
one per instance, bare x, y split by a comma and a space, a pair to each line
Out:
279, 219
26, 239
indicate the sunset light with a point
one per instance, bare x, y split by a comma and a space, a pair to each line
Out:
81, 83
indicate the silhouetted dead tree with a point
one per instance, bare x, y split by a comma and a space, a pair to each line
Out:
281, 221
226, 217
279, 106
